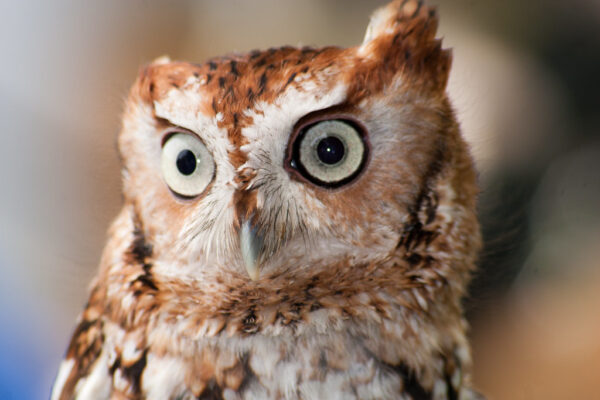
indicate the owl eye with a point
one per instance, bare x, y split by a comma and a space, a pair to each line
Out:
329, 153
186, 164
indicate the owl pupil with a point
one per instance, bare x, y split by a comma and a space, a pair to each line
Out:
330, 150
186, 162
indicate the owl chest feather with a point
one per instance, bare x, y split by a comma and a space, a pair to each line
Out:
312, 344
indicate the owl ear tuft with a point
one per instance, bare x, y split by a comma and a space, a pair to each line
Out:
402, 36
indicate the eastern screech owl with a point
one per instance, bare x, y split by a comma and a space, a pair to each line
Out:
298, 223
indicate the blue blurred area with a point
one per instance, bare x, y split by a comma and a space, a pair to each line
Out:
19, 366
26, 364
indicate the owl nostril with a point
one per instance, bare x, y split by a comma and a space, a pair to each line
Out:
244, 204
244, 177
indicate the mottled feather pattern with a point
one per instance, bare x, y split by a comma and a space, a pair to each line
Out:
359, 288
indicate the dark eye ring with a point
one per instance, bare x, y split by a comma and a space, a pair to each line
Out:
328, 152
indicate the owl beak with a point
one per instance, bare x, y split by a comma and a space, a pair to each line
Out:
251, 243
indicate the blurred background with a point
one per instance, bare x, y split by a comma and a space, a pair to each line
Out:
525, 83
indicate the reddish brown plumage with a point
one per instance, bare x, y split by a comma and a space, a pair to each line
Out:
383, 315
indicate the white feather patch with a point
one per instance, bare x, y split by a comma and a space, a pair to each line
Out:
166, 378
63, 373
97, 385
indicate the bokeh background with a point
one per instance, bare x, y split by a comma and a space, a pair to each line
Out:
526, 86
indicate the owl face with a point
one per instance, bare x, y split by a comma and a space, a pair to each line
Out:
282, 162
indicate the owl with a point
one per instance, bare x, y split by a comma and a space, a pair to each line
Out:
298, 223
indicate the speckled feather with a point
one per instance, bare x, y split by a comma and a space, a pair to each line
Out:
359, 293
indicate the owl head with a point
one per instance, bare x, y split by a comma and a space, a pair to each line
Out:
275, 167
